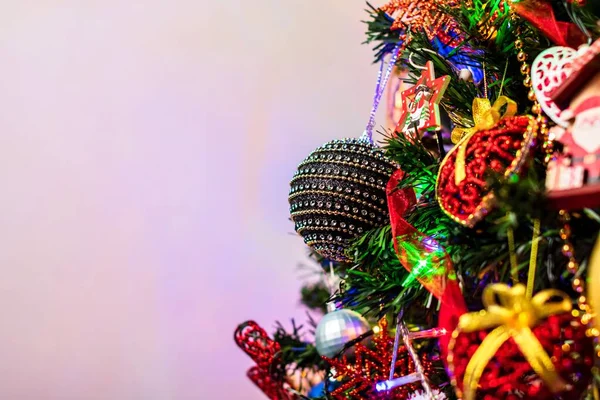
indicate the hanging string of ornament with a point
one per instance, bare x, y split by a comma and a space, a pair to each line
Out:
382, 80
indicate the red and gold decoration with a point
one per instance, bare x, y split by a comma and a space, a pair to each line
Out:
520, 347
421, 103
371, 366
498, 141
263, 350
420, 15
573, 179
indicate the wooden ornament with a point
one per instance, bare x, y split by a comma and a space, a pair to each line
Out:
420, 104
573, 179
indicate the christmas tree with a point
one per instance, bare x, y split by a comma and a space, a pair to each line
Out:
459, 256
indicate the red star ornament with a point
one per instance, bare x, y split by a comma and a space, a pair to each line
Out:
420, 110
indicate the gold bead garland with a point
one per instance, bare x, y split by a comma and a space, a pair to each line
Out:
565, 233
573, 266
450, 363
548, 147
525, 70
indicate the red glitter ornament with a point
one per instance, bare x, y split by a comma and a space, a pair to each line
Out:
503, 149
372, 366
508, 375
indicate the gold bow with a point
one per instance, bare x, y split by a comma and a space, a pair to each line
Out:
485, 116
513, 315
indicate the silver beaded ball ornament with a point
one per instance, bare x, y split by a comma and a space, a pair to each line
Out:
338, 193
337, 328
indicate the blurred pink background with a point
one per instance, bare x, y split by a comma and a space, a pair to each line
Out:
146, 149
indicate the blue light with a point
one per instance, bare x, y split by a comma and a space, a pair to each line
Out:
319, 389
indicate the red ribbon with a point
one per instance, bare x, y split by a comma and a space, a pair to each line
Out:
413, 248
541, 15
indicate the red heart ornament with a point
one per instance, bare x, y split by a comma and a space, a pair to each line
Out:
509, 376
501, 149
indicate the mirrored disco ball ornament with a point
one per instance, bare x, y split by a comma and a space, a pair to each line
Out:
337, 328
338, 193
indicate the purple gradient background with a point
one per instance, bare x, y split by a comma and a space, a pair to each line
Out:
146, 153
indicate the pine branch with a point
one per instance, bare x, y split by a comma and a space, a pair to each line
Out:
487, 45
315, 296
296, 353
378, 283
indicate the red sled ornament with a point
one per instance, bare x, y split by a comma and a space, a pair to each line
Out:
573, 178
255, 342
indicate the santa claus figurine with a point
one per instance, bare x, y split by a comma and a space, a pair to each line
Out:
573, 178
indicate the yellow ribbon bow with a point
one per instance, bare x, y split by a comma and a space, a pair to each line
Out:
513, 315
485, 116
